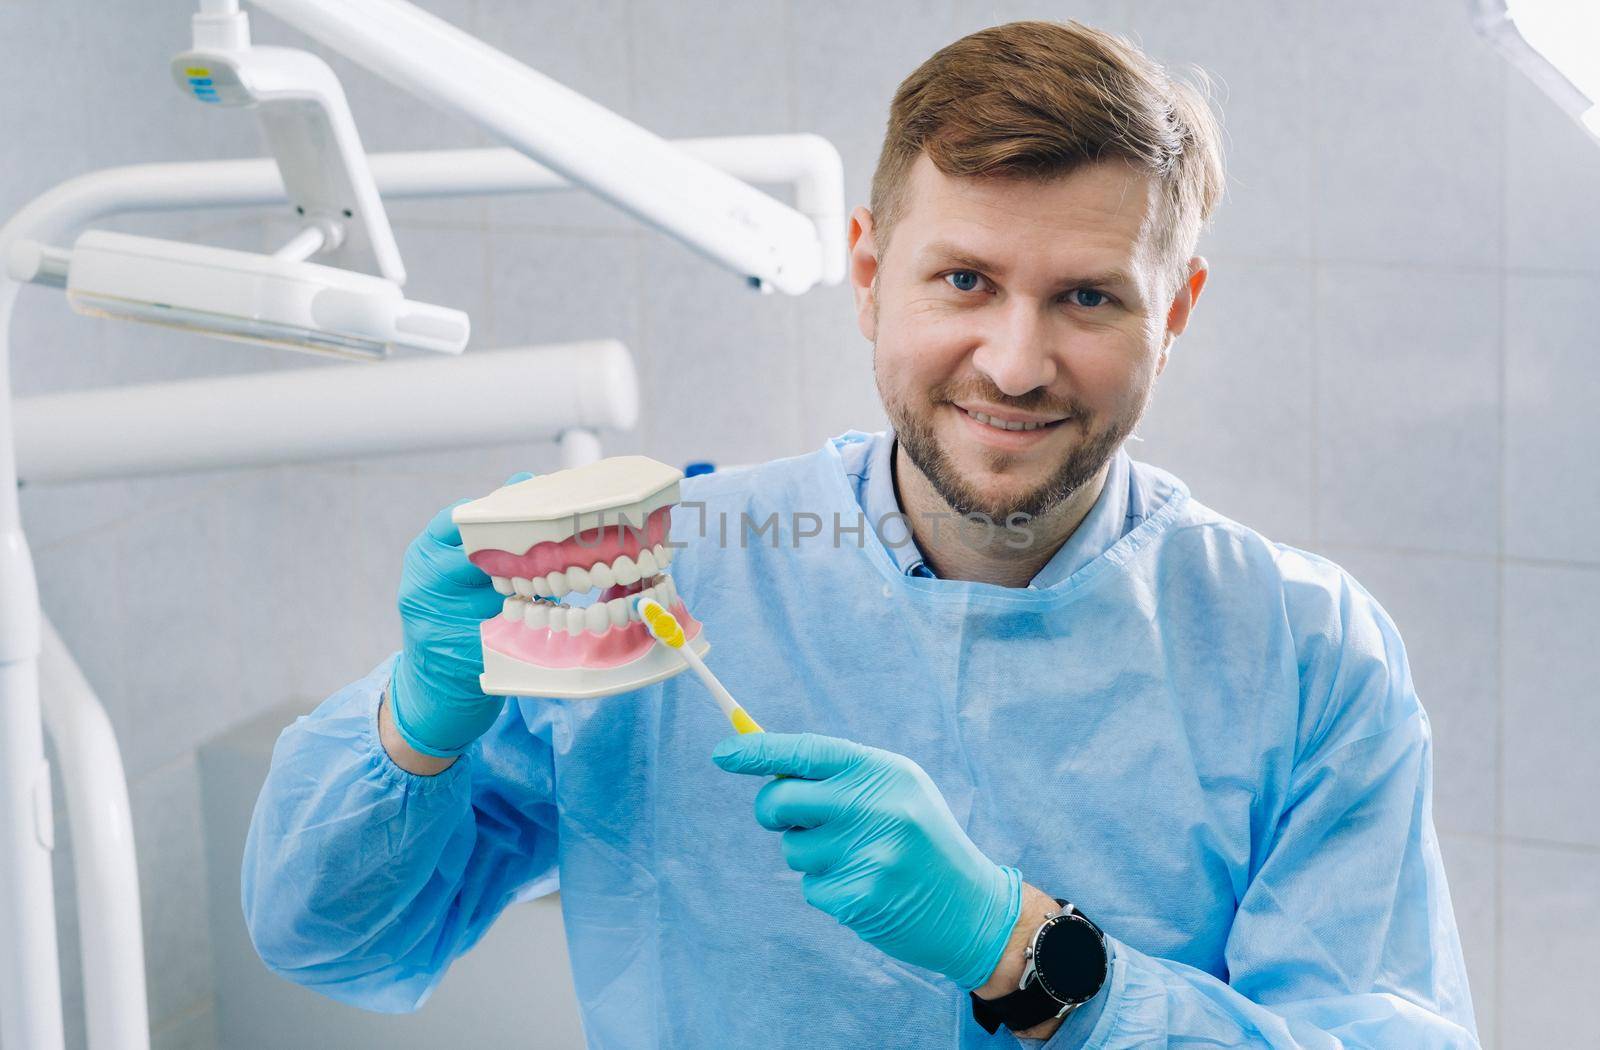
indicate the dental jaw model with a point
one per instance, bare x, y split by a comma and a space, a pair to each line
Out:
600, 527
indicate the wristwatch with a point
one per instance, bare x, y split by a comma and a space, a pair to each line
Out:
1066, 965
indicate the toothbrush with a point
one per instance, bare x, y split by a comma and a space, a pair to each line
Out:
664, 628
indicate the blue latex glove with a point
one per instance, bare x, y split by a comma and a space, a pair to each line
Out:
438, 707
881, 851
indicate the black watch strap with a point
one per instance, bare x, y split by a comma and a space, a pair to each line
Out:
1031, 1005
1018, 1011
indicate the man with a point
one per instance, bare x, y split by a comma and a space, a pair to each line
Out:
1072, 754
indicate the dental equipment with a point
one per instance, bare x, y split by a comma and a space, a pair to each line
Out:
601, 527
280, 299
329, 413
239, 296
699, 200
724, 219
664, 628
309, 130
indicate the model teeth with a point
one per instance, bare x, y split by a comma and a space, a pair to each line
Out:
1002, 425
536, 601
597, 618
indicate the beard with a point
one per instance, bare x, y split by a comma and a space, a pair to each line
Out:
915, 430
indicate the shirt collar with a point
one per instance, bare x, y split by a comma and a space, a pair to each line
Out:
870, 467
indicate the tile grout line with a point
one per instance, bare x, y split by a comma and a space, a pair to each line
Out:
1471, 557
1314, 276
195, 1009
1496, 995
1580, 848
1533, 841
796, 325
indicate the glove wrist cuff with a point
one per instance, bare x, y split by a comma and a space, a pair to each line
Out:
994, 933
397, 708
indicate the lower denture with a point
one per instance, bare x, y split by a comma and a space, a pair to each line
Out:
545, 647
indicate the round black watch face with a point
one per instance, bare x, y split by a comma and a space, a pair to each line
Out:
1071, 961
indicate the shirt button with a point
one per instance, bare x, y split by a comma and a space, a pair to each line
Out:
888, 591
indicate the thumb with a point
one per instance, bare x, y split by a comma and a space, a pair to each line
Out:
441, 529
804, 755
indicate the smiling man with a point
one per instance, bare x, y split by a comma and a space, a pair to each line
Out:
1073, 757
1017, 333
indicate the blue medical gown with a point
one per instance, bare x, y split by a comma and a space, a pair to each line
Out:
1207, 741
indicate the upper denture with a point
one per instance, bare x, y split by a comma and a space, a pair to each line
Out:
602, 545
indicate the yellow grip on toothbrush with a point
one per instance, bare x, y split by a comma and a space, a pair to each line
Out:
743, 723
662, 624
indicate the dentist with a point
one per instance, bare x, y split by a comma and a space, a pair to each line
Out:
1068, 756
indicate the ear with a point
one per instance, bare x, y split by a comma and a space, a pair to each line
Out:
1182, 308
864, 272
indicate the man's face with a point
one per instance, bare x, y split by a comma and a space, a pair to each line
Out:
1005, 301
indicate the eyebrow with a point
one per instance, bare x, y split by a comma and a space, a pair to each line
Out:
948, 252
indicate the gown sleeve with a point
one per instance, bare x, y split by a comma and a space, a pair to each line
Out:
363, 881
1345, 936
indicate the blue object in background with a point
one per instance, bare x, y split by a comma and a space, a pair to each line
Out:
697, 468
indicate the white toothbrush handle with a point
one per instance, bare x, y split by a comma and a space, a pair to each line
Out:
724, 699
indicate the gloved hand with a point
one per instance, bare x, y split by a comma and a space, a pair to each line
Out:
434, 693
881, 851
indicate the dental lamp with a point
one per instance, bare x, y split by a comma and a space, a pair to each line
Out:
287, 301
240, 296
1555, 43
281, 299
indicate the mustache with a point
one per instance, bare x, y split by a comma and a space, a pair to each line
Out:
1039, 400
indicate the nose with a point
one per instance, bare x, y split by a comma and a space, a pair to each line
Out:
1017, 354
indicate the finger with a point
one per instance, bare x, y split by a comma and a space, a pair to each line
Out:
793, 803
828, 893
438, 548
811, 851
442, 529
793, 754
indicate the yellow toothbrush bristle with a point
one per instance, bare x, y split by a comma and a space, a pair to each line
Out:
662, 624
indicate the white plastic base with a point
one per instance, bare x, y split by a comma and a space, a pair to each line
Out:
506, 676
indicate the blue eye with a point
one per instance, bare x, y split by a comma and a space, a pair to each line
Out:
958, 277
1088, 297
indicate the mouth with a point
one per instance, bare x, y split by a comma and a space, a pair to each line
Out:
573, 552
1005, 428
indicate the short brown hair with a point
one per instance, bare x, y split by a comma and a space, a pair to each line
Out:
1039, 99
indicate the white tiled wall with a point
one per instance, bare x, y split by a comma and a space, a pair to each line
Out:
1394, 364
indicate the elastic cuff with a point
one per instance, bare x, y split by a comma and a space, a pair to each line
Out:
990, 958
1090, 1024
384, 763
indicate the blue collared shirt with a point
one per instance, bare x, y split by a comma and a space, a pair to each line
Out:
869, 465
